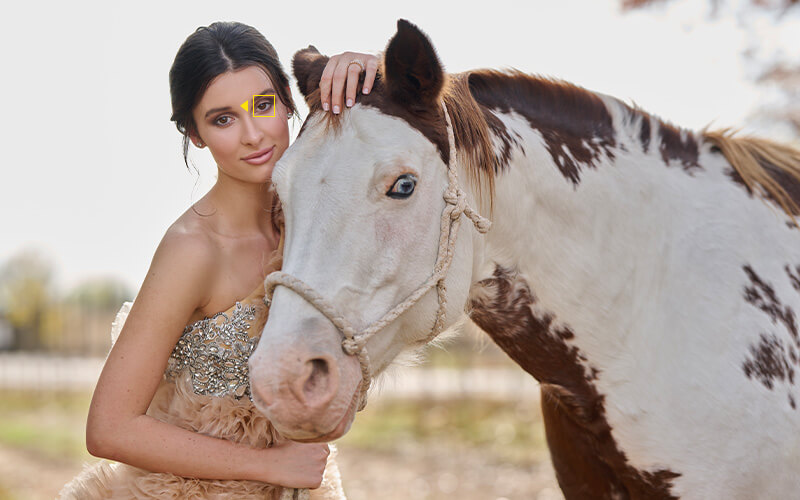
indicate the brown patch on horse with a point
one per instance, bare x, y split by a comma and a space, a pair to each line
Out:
575, 123
644, 128
674, 144
768, 361
644, 131
794, 276
679, 145
587, 460
775, 358
767, 168
580, 473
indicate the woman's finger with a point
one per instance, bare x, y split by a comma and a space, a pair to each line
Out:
369, 77
325, 83
337, 86
353, 72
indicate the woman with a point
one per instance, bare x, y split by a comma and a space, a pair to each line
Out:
172, 401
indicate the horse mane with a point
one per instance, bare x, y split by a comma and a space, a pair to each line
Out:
473, 138
766, 168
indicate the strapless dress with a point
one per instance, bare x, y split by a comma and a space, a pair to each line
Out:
205, 389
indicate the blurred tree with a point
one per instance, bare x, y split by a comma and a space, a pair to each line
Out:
27, 299
778, 71
100, 294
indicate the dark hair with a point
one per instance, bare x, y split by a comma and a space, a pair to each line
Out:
211, 51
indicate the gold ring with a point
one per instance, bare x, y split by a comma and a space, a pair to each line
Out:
356, 61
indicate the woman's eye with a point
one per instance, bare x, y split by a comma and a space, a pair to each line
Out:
403, 187
263, 107
223, 120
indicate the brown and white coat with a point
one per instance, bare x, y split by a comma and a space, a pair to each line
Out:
647, 276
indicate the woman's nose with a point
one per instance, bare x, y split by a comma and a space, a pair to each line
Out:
252, 134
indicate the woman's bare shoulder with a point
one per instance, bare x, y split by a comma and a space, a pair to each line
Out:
185, 258
189, 237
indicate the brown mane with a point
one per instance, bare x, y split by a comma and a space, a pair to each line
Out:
764, 167
471, 129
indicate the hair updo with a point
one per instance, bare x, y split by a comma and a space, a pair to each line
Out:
211, 51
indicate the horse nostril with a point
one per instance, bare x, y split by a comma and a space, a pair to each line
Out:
317, 381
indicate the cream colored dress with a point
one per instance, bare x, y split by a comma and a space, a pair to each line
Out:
205, 389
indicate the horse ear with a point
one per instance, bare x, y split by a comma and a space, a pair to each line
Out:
307, 66
414, 75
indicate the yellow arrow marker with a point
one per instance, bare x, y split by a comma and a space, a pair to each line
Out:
244, 105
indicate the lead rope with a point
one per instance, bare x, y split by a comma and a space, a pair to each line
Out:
354, 342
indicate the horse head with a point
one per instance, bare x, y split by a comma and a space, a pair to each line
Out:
363, 195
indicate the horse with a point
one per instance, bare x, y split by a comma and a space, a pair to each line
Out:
646, 275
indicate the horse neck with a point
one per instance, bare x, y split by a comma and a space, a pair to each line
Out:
568, 210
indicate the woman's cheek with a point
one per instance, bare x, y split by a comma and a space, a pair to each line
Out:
228, 145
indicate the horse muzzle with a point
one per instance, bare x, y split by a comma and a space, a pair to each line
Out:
308, 390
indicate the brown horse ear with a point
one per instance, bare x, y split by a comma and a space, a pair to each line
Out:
307, 66
414, 75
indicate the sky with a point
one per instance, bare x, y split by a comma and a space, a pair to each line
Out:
92, 172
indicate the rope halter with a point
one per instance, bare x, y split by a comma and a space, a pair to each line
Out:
354, 342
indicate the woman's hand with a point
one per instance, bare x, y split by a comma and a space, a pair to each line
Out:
341, 70
296, 465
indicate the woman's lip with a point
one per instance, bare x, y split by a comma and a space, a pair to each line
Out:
259, 157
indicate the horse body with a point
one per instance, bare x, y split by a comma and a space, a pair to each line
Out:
630, 269
643, 263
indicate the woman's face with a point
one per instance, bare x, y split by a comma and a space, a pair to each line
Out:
244, 146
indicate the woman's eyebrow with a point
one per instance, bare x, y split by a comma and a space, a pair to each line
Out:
215, 110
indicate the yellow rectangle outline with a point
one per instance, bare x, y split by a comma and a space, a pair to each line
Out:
273, 105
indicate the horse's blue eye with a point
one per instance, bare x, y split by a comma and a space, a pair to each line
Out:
403, 186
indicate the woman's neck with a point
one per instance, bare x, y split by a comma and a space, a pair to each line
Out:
241, 209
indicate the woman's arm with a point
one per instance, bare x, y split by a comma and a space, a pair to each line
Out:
117, 426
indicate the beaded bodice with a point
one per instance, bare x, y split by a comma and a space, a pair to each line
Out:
215, 350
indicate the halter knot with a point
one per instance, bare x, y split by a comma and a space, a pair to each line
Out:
451, 196
458, 199
350, 346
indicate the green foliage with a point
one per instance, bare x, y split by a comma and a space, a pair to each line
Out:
27, 298
41, 320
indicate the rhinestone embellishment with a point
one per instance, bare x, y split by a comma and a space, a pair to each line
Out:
216, 351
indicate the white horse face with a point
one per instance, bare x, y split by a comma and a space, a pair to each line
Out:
362, 202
